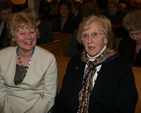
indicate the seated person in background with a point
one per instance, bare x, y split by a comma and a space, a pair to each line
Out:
75, 11
131, 47
113, 13
5, 15
54, 13
74, 48
45, 34
65, 23
88, 9
123, 8
44, 9
28, 73
99, 80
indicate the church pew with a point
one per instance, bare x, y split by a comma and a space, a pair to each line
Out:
62, 63
58, 47
58, 35
18, 2
137, 76
117, 42
49, 23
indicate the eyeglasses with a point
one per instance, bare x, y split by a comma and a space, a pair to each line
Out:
86, 36
136, 33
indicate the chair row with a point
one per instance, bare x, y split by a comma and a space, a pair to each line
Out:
57, 35
58, 46
61, 43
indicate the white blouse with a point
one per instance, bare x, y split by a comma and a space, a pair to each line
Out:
98, 67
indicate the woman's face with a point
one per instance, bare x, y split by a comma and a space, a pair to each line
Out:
74, 9
5, 15
113, 9
94, 39
55, 9
136, 35
26, 39
64, 11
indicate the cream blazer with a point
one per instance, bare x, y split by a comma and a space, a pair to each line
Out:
37, 91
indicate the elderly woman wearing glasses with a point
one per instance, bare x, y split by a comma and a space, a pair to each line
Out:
130, 47
99, 80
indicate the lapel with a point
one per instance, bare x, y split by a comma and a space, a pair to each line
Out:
104, 76
9, 65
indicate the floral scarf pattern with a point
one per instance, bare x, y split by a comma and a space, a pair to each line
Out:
87, 83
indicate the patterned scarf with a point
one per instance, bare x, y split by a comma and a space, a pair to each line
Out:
87, 83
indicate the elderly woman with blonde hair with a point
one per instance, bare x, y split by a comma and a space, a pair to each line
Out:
28, 73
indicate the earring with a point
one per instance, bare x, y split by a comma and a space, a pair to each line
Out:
13, 39
105, 41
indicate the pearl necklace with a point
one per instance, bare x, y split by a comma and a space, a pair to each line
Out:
23, 69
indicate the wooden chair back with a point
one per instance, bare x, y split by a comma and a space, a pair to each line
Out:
137, 76
117, 42
49, 23
57, 47
62, 63
60, 36
18, 2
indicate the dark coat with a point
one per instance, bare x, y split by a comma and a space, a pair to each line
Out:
45, 34
114, 90
75, 48
69, 27
116, 19
127, 48
6, 40
52, 17
77, 17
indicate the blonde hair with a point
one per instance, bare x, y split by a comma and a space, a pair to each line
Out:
106, 27
132, 20
20, 20
32, 12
